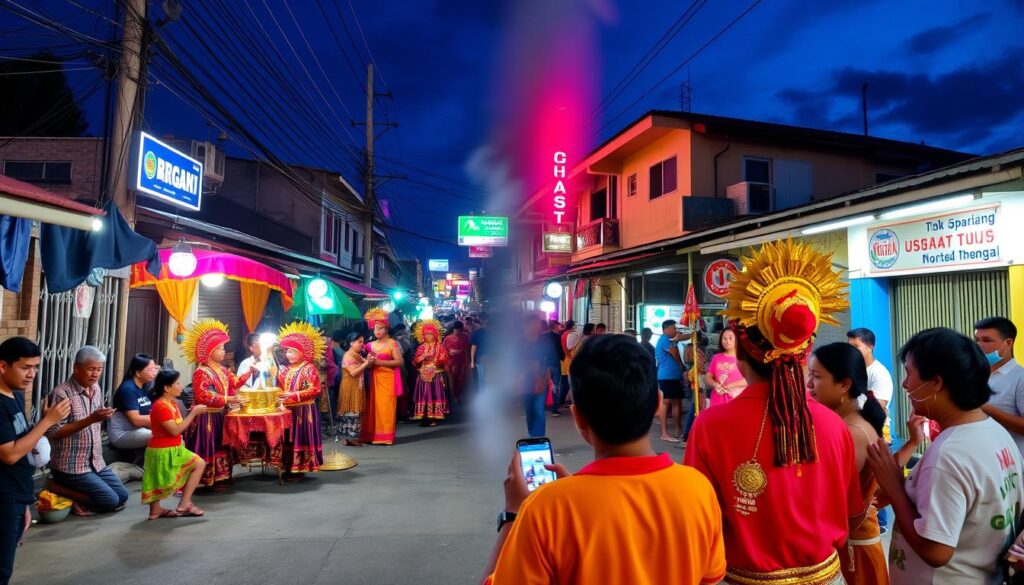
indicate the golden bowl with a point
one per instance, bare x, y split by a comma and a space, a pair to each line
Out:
259, 400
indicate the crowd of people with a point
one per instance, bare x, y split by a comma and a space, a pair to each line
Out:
789, 463
788, 470
366, 374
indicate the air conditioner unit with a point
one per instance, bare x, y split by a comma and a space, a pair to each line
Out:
212, 159
751, 198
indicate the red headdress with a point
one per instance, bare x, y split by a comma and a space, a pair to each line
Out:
420, 330
784, 292
374, 316
202, 338
303, 338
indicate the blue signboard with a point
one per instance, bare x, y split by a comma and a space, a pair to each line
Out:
168, 174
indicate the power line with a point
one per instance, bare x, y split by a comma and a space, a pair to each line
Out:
648, 57
369, 53
681, 65
341, 48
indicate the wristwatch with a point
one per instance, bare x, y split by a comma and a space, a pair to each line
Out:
504, 518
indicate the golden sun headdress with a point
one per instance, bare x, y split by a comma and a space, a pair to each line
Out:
374, 316
784, 292
420, 330
303, 338
204, 336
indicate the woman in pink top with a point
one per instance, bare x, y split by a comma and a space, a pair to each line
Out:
723, 376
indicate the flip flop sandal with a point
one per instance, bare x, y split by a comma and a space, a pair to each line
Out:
192, 510
165, 514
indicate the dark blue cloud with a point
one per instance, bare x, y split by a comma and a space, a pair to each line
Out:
934, 39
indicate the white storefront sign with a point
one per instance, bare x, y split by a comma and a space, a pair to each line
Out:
970, 238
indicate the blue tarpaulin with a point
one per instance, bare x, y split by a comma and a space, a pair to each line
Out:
15, 236
69, 255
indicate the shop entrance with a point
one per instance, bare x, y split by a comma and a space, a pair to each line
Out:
954, 299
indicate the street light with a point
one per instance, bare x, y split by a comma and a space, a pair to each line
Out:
553, 290
398, 295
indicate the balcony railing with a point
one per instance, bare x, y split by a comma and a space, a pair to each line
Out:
603, 232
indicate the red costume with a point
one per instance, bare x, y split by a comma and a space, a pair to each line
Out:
783, 467
212, 384
457, 346
303, 447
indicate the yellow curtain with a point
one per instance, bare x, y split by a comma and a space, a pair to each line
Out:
254, 301
177, 297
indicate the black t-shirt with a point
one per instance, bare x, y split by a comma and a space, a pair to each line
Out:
15, 480
479, 339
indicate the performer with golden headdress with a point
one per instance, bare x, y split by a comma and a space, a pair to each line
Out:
786, 477
300, 385
385, 382
215, 386
429, 398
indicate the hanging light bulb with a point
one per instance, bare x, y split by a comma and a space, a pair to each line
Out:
317, 288
182, 262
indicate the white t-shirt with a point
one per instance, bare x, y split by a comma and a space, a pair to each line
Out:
968, 489
1007, 383
247, 364
879, 382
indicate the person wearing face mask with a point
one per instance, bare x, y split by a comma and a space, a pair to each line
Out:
995, 337
956, 513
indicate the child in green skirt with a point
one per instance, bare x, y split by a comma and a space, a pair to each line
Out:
169, 465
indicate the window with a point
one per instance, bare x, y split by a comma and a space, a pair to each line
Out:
48, 171
598, 204
348, 233
757, 170
663, 178
631, 186
330, 233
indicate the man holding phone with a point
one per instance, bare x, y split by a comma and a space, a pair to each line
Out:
79, 471
19, 362
570, 531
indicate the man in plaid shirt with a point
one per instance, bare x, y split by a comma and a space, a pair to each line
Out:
76, 460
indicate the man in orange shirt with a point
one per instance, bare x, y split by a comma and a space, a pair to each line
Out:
631, 516
783, 466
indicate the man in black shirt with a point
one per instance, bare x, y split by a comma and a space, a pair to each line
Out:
19, 362
478, 349
553, 359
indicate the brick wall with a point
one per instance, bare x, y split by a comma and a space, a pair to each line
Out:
85, 154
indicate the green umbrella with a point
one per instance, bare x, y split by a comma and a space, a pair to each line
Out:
319, 296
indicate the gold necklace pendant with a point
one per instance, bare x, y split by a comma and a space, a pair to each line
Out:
750, 479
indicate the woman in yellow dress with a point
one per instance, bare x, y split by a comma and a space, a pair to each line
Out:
385, 382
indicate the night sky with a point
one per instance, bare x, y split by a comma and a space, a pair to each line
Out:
950, 74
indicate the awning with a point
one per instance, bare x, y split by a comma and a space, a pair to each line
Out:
370, 294
604, 264
256, 279
21, 199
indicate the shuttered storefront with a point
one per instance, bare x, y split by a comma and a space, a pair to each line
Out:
956, 300
224, 303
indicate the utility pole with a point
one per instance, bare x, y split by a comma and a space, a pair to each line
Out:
370, 175
369, 180
864, 105
128, 77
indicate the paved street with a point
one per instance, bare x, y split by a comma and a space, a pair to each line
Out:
421, 511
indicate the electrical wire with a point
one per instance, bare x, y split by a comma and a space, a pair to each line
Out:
685, 62
369, 53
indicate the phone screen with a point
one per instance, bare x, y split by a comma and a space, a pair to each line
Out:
534, 454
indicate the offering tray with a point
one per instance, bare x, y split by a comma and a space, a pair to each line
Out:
259, 400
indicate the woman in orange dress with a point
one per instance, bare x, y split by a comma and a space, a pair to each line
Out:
385, 382
837, 376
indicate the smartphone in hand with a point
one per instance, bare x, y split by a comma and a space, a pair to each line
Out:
534, 454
